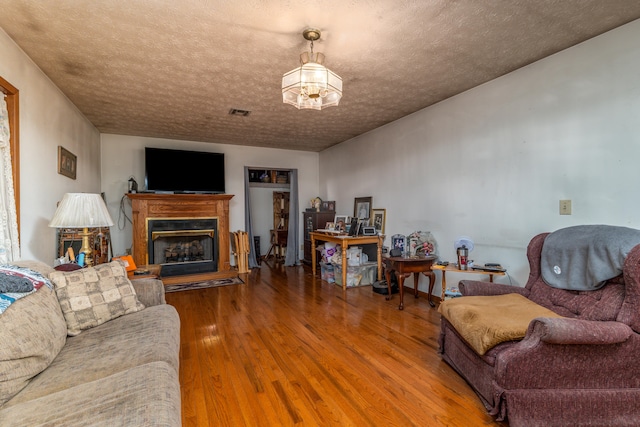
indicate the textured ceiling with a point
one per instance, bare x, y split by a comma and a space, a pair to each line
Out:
174, 69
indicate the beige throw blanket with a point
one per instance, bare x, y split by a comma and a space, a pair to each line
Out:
485, 321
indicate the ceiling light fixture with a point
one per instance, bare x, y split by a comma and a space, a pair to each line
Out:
312, 85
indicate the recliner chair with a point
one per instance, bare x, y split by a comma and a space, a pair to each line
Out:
580, 369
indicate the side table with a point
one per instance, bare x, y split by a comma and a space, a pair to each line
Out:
452, 268
404, 267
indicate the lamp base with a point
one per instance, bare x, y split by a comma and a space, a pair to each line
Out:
86, 247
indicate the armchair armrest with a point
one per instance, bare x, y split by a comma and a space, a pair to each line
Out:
563, 330
570, 353
473, 287
150, 291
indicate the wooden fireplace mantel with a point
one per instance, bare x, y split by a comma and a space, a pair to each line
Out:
147, 206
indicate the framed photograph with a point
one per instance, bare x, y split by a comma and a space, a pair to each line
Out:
398, 242
341, 222
379, 219
67, 163
354, 228
330, 226
362, 207
328, 205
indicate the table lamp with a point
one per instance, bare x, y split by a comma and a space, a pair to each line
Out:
82, 210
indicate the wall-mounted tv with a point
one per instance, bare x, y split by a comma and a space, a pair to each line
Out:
183, 171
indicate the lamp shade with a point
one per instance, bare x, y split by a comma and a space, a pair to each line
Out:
80, 210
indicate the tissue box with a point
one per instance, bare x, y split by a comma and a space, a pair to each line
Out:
354, 256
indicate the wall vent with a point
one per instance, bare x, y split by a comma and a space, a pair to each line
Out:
239, 112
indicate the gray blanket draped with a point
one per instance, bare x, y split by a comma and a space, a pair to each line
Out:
584, 257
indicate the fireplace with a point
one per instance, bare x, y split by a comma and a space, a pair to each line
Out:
183, 246
211, 238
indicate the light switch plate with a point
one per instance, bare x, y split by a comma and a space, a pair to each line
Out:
565, 207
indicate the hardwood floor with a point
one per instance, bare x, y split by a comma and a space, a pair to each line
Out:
286, 348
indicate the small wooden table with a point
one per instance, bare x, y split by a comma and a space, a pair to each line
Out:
452, 268
404, 267
153, 270
345, 241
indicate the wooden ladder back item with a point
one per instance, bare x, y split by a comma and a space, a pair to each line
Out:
241, 250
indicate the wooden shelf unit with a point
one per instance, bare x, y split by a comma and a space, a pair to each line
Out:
311, 221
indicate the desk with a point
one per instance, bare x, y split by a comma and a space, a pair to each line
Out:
454, 269
404, 267
345, 241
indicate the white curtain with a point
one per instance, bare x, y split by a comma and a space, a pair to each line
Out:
9, 244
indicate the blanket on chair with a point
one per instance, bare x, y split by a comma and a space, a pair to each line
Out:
584, 257
486, 321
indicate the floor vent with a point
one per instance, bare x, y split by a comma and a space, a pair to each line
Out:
238, 112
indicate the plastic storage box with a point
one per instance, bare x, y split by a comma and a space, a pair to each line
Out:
327, 272
359, 275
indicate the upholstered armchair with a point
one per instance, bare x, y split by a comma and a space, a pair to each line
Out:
582, 368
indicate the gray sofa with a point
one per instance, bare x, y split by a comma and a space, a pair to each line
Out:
123, 372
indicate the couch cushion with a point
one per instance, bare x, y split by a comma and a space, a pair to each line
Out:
32, 332
484, 321
150, 335
92, 296
145, 395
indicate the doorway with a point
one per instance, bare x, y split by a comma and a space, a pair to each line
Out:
270, 195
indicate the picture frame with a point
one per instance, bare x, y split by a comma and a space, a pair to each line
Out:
330, 226
379, 218
354, 228
362, 207
328, 206
398, 241
341, 222
67, 162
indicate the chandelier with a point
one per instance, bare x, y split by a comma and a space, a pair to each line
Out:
312, 85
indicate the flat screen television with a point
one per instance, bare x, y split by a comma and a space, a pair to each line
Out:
183, 171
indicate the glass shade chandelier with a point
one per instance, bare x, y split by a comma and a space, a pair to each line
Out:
311, 85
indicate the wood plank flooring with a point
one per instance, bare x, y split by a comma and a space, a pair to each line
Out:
287, 349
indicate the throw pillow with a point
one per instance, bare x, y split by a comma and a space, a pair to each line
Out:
32, 333
92, 296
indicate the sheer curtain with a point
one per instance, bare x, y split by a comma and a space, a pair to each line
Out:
253, 261
292, 257
9, 244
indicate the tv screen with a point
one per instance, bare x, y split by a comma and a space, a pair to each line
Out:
183, 171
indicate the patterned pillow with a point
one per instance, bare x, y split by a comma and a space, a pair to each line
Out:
92, 296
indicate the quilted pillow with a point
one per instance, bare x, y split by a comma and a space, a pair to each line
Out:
92, 296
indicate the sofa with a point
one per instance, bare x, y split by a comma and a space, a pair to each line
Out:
90, 348
576, 366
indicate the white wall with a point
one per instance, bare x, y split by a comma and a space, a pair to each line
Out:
47, 119
493, 162
123, 157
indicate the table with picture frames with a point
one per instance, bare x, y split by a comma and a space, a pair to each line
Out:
345, 241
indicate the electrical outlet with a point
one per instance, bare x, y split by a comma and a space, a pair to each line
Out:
565, 207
